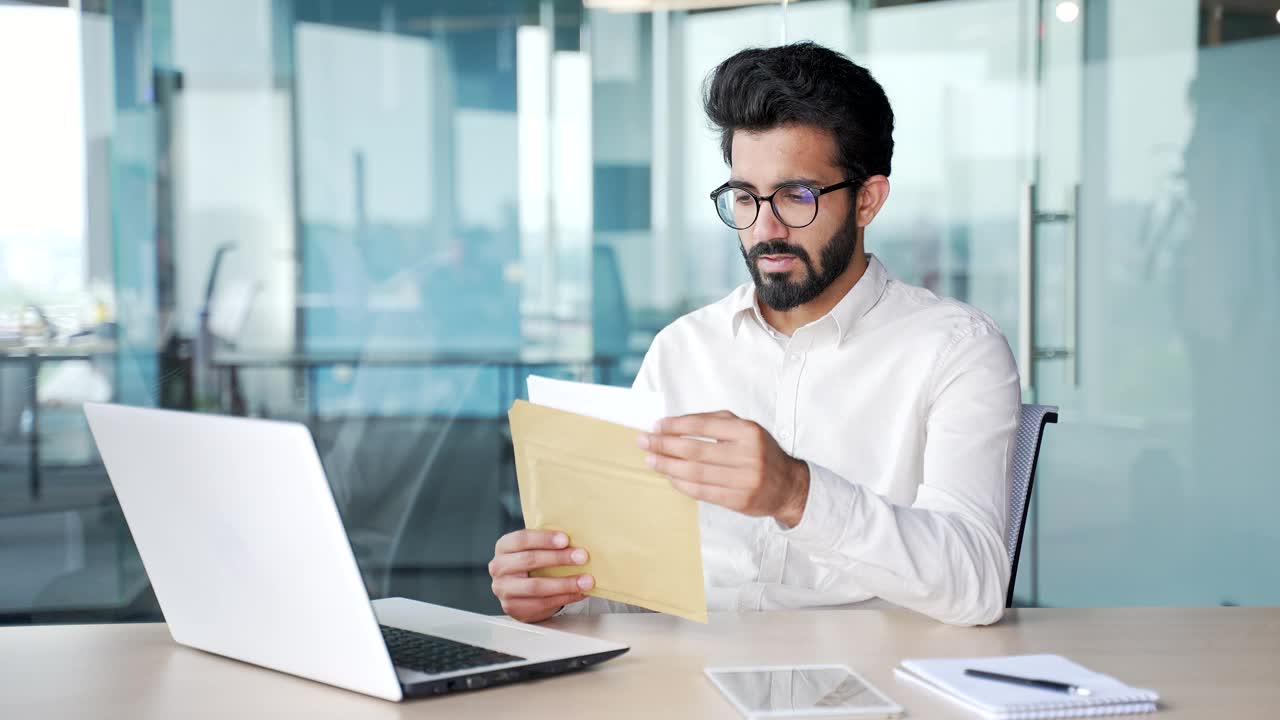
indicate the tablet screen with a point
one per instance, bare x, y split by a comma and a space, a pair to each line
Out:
801, 691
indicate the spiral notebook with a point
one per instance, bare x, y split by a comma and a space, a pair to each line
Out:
1003, 701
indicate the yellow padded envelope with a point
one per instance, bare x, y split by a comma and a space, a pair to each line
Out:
587, 478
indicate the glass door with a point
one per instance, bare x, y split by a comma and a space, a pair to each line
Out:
1154, 230
1100, 177
1049, 235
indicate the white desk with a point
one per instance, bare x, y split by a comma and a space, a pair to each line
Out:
1205, 662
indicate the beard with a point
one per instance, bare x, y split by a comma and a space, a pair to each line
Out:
778, 290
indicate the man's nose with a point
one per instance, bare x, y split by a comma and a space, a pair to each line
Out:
767, 226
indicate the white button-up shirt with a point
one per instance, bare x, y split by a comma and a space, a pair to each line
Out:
903, 404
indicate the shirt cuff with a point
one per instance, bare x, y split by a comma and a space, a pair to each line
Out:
826, 511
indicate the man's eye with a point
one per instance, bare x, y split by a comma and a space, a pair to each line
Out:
800, 196
742, 198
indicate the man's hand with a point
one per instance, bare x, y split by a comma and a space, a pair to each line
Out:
743, 470
534, 599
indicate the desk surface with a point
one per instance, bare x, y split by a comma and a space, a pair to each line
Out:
1205, 663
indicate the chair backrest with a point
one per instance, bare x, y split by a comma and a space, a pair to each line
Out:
1022, 474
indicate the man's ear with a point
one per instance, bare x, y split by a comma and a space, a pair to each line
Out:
871, 197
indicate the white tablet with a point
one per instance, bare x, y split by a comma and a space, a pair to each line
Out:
794, 691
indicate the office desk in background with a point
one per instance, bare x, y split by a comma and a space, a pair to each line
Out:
1205, 663
511, 367
33, 358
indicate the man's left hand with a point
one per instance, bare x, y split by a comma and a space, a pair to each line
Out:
743, 470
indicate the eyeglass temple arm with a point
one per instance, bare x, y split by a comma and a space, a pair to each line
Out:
838, 186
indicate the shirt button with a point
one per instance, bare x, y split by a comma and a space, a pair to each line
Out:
784, 434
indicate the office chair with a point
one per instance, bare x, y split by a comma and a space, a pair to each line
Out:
610, 316
1022, 474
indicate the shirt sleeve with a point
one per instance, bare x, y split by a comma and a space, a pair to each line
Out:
646, 379
944, 555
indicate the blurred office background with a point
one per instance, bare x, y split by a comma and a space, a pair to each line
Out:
377, 217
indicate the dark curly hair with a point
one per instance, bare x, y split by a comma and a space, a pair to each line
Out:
804, 83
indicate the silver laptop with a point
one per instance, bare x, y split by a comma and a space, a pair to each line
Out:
243, 543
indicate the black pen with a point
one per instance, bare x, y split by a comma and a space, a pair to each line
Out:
1029, 682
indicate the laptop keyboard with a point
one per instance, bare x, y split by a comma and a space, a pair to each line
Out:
434, 655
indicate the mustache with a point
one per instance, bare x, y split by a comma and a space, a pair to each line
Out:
778, 247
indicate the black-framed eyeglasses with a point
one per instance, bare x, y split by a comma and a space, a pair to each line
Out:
794, 204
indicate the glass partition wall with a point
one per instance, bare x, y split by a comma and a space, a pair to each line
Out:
378, 217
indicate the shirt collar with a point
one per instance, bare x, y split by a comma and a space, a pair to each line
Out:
856, 303
743, 304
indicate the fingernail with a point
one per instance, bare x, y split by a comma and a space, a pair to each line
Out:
651, 460
560, 540
657, 427
579, 556
585, 582
643, 441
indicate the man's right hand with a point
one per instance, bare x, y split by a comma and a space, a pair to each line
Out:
534, 599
